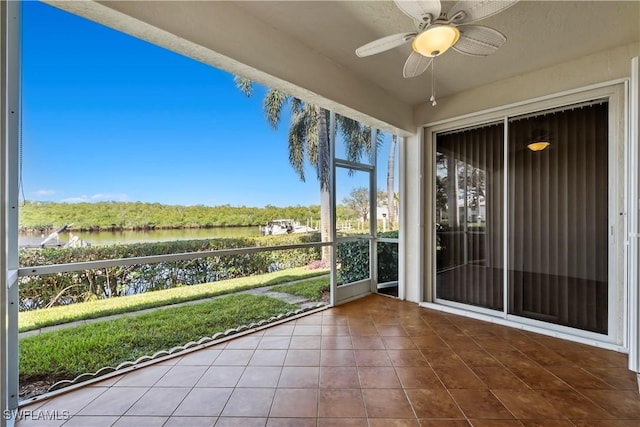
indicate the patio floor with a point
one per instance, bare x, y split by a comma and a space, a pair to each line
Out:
373, 362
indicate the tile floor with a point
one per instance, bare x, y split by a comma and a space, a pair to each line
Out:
373, 362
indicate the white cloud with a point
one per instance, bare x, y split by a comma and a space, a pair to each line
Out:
98, 197
44, 192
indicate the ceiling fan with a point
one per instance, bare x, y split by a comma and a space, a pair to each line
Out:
438, 31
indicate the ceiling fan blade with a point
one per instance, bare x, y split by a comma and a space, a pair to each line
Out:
416, 64
418, 9
383, 44
477, 40
479, 9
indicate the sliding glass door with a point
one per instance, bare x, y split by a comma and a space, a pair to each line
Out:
558, 217
552, 206
469, 220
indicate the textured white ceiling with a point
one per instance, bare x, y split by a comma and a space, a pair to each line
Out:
539, 34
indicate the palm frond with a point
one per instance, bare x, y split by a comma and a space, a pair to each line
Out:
245, 85
272, 106
297, 136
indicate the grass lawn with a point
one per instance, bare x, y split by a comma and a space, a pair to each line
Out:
312, 289
30, 320
70, 352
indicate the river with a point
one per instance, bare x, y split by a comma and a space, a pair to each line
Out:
100, 238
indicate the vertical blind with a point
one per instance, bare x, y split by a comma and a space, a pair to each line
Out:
557, 217
469, 205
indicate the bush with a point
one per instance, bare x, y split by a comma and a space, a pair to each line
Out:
67, 288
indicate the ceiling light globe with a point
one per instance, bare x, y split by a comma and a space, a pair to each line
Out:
436, 40
538, 146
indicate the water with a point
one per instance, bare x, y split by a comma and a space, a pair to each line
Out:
100, 238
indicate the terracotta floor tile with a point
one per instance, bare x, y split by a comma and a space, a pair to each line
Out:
547, 423
77, 421
458, 377
336, 342
332, 357
336, 330
260, 376
291, 402
606, 423
263, 357
618, 378
529, 404
363, 330
575, 406
241, 422
205, 402
372, 358
200, 357
496, 423
342, 422
274, 342
221, 376
578, 377
429, 342
140, 421
302, 358
115, 401
546, 357
391, 331
386, 403
494, 344
624, 404
481, 404
233, 357
367, 342
378, 377
190, 422
299, 377
459, 344
540, 378
340, 403
443, 423
181, 376
146, 376
477, 358
498, 378
339, 377
285, 329
442, 357
389, 422
433, 403
314, 319
407, 358
291, 422
248, 342
398, 343
159, 401
307, 330
249, 402
418, 377
305, 342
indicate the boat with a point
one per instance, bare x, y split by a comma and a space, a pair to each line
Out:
284, 226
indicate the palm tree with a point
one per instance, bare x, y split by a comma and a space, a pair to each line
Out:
309, 140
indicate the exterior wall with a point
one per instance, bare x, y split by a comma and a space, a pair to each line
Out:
589, 70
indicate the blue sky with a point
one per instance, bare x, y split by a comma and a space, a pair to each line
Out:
110, 117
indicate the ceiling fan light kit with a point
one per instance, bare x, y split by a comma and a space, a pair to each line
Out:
539, 145
436, 40
437, 32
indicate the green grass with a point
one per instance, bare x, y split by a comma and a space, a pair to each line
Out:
311, 289
70, 352
30, 320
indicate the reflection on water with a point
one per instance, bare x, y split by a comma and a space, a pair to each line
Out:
100, 238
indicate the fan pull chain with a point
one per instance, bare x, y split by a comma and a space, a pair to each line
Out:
433, 83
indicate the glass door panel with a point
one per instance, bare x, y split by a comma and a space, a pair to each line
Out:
469, 220
558, 218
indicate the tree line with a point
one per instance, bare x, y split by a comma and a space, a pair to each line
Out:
148, 216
